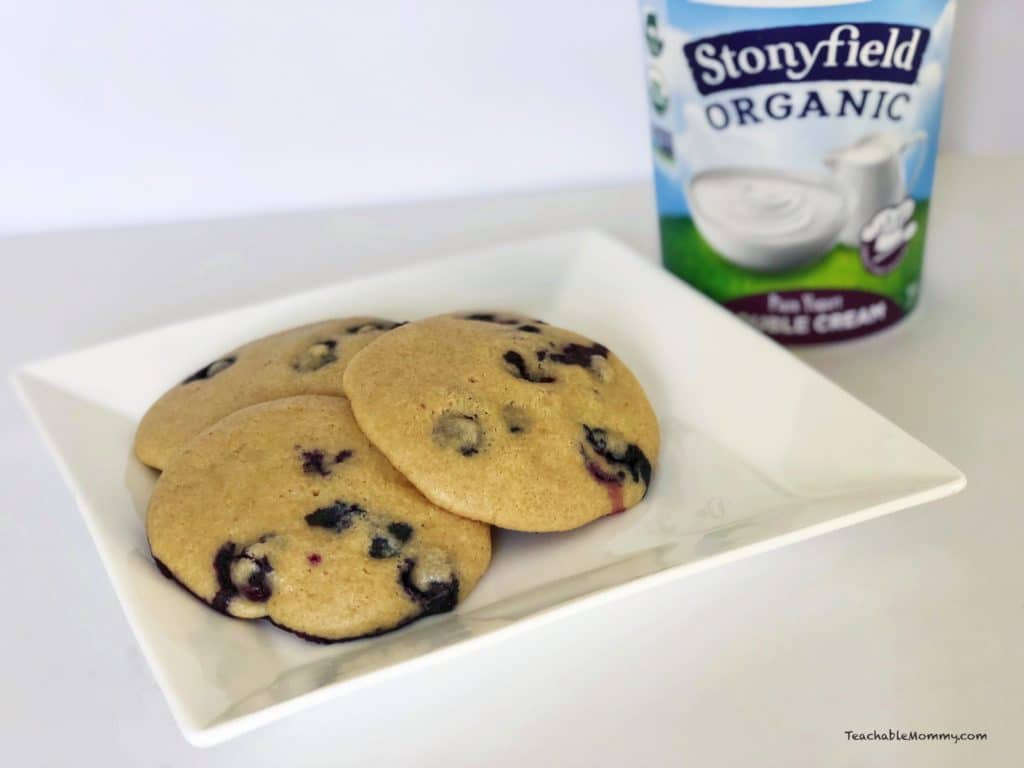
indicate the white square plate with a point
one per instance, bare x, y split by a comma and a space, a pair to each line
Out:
758, 451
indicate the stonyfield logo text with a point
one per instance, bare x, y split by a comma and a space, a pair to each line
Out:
877, 52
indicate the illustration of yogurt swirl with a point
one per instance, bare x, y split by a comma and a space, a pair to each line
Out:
753, 206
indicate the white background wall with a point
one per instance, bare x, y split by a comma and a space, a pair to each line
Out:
121, 112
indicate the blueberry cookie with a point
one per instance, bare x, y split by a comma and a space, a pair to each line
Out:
506, 419
301, 361
284, 511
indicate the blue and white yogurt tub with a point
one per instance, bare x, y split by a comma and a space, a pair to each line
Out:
794, 145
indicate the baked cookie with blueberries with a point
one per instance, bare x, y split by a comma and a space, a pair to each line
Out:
284, 511
507, 420
302, 361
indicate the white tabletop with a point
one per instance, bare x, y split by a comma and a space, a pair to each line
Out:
911, 622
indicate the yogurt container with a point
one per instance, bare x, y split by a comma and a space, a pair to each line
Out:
794, 147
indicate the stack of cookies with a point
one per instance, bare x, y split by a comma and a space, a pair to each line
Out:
341, 479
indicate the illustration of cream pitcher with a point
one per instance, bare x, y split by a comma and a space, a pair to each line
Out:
872, 173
